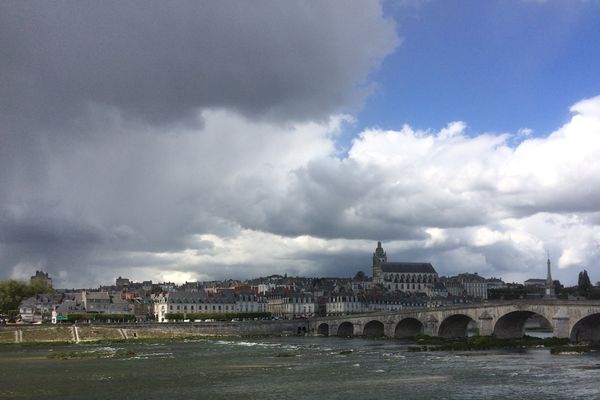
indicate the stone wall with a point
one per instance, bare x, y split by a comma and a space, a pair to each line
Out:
82, 333
245, 328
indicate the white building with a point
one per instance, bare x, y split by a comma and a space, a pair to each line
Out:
293, 305
205, 303
346, 304
467, 284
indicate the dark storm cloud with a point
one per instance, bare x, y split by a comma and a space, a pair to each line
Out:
40, 229
159, 61
103, 151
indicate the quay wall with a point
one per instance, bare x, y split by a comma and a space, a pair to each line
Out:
82, 333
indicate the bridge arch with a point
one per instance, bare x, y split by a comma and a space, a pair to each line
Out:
374, 329
408, 327
346, 329
455, 325
512, 324
587, 329
323, 329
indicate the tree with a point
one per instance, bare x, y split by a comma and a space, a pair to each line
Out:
558, 287
584, 285
12, 293
360, 276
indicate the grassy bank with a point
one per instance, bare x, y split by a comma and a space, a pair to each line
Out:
46, 334
479, 343
31, 335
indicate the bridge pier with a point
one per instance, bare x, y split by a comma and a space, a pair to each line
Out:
390, 329
561, 324
431, 326
486, 324
333, 329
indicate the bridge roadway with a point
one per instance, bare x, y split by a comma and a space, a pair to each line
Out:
577, 320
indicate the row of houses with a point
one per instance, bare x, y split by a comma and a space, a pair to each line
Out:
284, 304
394, 286
292, 305
57, 306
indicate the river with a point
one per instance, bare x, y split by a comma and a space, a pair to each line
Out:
293, 368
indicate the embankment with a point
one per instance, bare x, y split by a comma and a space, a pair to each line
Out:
30, 334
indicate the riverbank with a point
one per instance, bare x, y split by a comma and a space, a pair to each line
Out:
34, 334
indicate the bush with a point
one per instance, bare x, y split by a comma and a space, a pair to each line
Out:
100, 317
215, 316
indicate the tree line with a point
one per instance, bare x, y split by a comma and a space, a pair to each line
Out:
215, 316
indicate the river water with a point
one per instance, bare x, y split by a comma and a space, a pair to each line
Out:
294, 368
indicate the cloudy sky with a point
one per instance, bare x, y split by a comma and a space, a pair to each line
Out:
195, 140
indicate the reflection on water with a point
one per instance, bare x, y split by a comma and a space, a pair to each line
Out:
325, 368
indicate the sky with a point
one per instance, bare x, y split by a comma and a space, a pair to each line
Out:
182, 141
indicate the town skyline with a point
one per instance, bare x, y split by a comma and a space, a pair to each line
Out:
368, 273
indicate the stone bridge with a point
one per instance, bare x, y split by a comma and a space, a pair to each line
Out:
577, 320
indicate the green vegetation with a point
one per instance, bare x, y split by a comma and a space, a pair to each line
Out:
94, 333
584, 286
81, 355
12, 293
7, 336
47, 334
431, 343
512, 293
100, 317
215, 316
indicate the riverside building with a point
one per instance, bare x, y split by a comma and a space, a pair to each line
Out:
181, 302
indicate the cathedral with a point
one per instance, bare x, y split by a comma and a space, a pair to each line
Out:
408, 277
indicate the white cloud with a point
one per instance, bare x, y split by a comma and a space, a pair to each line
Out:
238, 198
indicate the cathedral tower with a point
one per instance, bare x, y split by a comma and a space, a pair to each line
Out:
379, 257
